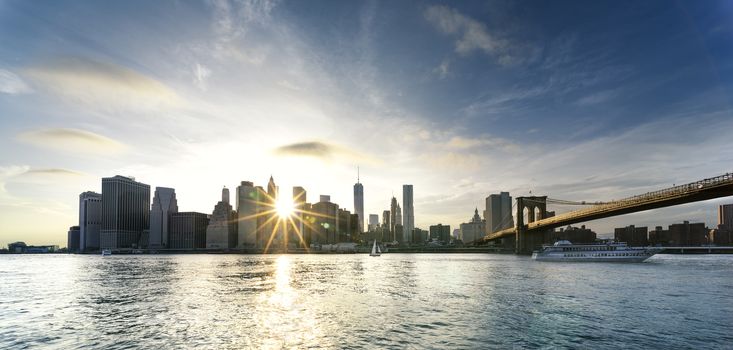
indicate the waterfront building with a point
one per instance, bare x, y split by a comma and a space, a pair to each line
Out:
419, 236
576, 235
725, 216
408, 212
164, 204
359, 203
393, 209
17, 247
440, 233
187, 230
659, 236
373, 222
125, 213
398, 234
299, 202
325, 227
221, 233
90, 220
498, 213
633, 236
472, 230
688, 234
72, 239
386, 226
721, 236
246, 202
263, 210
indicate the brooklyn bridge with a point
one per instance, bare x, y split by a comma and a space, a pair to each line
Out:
527, 236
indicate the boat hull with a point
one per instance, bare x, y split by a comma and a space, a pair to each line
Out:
614, 259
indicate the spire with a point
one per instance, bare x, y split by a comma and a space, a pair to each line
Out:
357, 174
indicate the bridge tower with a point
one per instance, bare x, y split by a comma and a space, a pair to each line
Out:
524, 242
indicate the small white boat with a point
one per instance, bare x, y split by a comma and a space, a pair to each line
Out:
608, 252
375, 250
106, 252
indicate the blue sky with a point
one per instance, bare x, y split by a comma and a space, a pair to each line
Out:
573, 99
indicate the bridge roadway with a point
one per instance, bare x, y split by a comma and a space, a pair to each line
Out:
719, 186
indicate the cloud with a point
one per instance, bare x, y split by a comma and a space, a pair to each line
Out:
200, 75
101, 84
72, 140
323, 151
486, 141
53, 172
598, 97
472, 35
12, 84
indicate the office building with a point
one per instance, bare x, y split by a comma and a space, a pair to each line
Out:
725, 216
498, 213
440, 233
633, 236
300, 198
408, 212
473, 230
688, 234
373, 222
187, 230
386, 226
72, 239
221, 233
246, 201
359, 202
164, 204
393, 214
90, 220
125, 213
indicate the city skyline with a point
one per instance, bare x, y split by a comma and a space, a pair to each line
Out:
445, 97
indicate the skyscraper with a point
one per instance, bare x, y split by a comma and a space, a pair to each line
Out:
392, 215
498, 213
408, 216
359, 203
125, 212
187, 230
725, 216
373, 222
299, 201
90, 220
246, 215
164, 204
386, 226
221, 232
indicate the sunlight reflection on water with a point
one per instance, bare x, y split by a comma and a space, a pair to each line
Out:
355, 301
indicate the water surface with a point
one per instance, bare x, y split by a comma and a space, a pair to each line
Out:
357, 301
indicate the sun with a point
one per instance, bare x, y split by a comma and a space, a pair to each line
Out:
284, 207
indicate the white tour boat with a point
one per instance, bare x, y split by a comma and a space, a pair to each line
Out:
106, 252
605, 252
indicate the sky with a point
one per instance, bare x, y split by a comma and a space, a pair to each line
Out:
576, 100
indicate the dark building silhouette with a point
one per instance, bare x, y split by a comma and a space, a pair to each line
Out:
72, 240
633, 236
187, 230
687, 234
440, 233
577, 235
125, 212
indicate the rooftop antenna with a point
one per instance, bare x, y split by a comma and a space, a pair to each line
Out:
357, 174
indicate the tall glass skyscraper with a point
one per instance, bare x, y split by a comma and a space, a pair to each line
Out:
125, 212
359, 203
408, 213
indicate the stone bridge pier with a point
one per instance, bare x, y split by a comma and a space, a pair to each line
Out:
536, 210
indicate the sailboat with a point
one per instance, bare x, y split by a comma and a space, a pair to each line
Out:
375, 250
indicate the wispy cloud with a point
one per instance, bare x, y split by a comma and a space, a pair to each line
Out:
472, 35
72, 140
101, 85
10, 83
